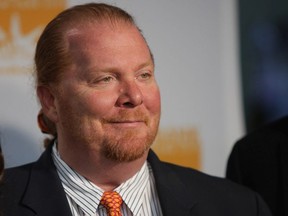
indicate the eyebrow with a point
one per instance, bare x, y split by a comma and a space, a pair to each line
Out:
146, 64
113, 69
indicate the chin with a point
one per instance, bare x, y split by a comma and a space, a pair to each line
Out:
127, 150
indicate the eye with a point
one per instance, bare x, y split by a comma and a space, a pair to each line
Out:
144, 76
103, 80
107, 79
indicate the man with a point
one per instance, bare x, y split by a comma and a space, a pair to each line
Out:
96, 85
260, 161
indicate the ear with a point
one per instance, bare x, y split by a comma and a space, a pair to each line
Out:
47, 101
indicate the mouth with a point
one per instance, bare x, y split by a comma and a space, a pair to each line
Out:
129, 120
127, 123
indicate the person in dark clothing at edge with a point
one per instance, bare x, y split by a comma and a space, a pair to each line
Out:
259, 160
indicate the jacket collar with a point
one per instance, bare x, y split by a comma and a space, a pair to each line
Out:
45, 194
173, 194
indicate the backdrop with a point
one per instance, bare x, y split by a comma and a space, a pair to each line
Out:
194, 43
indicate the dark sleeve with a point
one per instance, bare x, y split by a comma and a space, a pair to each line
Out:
248, 163
263, 209
234, 169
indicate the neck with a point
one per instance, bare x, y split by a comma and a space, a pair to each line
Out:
95, 168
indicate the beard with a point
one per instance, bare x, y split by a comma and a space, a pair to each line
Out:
128, 147
131, 144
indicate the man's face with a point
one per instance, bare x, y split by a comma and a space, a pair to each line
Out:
109, 101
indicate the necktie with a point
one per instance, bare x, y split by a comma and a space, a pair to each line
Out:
112, 201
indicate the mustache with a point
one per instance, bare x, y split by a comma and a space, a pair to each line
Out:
127, 116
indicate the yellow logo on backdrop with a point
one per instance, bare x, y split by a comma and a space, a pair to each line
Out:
21, 23
180, 146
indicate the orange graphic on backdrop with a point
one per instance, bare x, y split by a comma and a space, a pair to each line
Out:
180, 146
21, 23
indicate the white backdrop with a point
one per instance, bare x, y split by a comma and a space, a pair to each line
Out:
194, 43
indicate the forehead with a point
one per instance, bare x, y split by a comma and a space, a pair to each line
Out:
104, 33
102, 41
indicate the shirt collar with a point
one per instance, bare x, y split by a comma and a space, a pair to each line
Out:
88, 195
133, 190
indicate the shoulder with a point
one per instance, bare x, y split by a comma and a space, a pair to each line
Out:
218, 193
266, 140
197, 182
16, 178
14, 184
271, 132
217, 185
22, 169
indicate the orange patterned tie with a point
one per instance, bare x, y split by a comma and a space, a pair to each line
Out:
112, 201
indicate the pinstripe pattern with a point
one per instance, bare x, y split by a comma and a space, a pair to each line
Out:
139, 193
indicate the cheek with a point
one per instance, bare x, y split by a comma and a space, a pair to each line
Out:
153, 101
100, 104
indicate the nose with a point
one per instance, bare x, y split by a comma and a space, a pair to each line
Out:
130, 95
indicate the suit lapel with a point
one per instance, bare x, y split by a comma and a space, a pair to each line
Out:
173, 194
44, 193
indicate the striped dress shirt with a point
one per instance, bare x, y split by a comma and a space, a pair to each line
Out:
139, 193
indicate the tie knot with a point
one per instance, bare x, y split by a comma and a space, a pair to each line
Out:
112, 201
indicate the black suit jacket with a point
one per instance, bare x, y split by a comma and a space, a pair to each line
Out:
35, 189
260, 161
